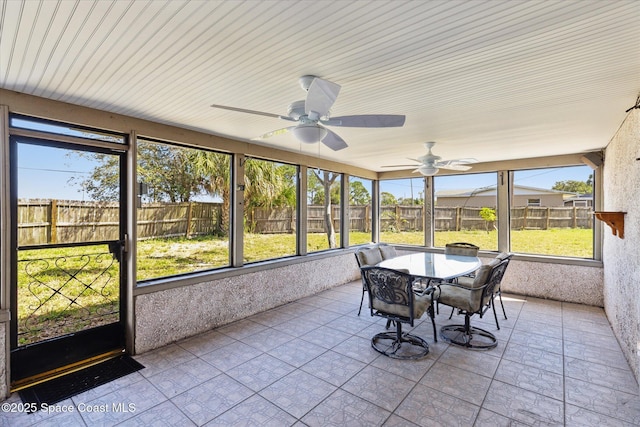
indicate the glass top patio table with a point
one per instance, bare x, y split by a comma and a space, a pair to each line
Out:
433, 265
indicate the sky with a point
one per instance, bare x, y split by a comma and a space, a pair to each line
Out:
51, 173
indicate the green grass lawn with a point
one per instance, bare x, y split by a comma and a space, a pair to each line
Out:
568, 242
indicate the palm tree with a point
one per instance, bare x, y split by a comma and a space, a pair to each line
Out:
216, 168
267, 184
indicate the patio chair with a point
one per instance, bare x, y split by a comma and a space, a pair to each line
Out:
466, 281
459, 248
391, 296
470, 300
372, 255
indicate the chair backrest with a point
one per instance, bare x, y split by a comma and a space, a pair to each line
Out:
390, 292
461, 248
387, 251
372, 255
504, 255
491, 274
368, 256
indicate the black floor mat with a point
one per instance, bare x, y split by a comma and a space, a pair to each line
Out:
59, 389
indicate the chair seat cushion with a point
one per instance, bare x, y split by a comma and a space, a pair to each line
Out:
458, 297
420, 305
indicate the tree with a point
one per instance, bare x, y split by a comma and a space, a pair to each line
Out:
489, 215
266, 183
103, 184
316, 189
359, 194
269, 184
408, 201
169, 172
326, 180
166, 169
216, 170
388, 199
573, 186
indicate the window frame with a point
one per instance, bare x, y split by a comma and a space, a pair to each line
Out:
596, 242
296, 209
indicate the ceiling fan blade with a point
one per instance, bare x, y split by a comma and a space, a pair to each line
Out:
259, 113
399, 166
274, 133
321, 96
367, 121
457, 162
455, 167
334, 141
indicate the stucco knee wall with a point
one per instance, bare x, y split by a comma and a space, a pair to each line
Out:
166, 316
561, 282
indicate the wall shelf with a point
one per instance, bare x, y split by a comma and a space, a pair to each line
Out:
615, 220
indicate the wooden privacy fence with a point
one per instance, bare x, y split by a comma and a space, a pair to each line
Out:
56, 221
70, 221
411, 218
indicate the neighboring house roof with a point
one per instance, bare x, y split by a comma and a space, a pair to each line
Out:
579, 197
518, 190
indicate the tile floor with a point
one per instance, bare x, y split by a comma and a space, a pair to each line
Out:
310, 363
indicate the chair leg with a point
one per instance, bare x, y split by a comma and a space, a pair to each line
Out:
391, 344
495, 316
433, 322
502, 304
468, 336
361, 301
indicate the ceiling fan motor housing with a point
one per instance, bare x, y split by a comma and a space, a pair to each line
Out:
295, 110
305, 82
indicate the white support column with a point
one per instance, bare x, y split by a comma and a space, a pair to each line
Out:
236, 234
505, 184
375, 211
598, 205
302, 210
344, 212
429, 225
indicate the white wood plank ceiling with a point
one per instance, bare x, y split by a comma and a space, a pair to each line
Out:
494, 80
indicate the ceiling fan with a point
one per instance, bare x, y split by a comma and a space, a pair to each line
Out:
430, 164
312, 115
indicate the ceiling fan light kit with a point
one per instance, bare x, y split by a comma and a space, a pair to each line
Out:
312, 115
427, 170
310, 133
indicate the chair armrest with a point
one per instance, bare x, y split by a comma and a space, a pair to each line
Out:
462, 286
424, 286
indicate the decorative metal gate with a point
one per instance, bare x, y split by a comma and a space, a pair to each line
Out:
65, 289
